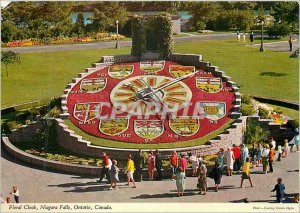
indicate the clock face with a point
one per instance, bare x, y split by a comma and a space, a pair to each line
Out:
150, 102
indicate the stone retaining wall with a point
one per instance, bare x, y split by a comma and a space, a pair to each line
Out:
48, 164
26, 133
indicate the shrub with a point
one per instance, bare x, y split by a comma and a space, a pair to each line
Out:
13, 125
247, 109
255, 132
263, 113
295, 54
292, 124
279, 30
246, 99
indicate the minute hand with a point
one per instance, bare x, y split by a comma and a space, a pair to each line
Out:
174, 81
155, 90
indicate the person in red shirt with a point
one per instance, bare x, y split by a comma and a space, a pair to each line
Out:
237, 156
271, 157
106, 163
174, 164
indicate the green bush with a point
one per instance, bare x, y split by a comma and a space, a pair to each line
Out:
13, 125
246, 99
292, 124
295, 54
255, 132
279, 30
247, 109
263, 113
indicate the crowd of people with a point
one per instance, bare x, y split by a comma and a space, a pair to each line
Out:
237, 160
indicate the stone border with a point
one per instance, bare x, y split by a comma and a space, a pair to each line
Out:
49, 164
85, 147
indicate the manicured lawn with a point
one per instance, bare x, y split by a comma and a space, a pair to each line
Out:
269, 74
44, 75
117, 144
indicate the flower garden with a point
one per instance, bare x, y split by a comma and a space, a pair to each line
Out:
97, 37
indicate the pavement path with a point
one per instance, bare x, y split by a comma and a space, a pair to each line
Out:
280, 46
37, 186
103, 45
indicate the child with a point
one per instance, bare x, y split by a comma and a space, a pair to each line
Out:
285, 148
202, 182
279, 188
180, 181
279, 153
114, 175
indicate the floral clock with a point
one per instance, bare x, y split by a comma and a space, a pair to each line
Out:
150, 102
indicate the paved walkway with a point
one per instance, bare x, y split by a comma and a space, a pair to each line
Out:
36, 185
103, 45
281, 46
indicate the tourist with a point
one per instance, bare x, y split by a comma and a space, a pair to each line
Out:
220, 158
180, 181
271, 158
114, 175
15, 192
251, 37
195, 162
174, 164
106, 163
229, 161
202, 182
200, 160
151, 165
279, 188
244, 37
291, 43
259, 154
130, 171
244, 154
158, 164
217, 175
139, 161
238, 36
265, 158
253, 155
279, 153
285, 148
237, 155
246, 172
295, 141
183, 163
273, 142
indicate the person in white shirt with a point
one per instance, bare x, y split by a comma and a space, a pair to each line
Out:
273, 143
265, 158
15, 193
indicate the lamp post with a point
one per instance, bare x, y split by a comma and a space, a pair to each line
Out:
262, 37
117, 44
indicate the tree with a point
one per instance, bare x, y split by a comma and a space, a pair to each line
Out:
106, 14
279, 30
79, 25
9, 57
286, 12
203, 13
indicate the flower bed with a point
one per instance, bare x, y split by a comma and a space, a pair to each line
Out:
64, 40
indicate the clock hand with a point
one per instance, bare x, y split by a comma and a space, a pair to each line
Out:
151, 90
171, 83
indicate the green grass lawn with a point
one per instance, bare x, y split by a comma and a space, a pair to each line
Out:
44, 75
115, 144
268, 74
